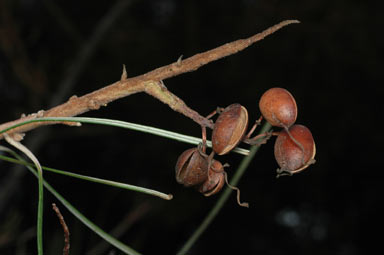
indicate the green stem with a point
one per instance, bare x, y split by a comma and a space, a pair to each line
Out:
40, 204
223, 197
110, 239
87, 222
94, 179
40, 213
123, 124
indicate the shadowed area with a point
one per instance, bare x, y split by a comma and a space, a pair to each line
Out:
52, 50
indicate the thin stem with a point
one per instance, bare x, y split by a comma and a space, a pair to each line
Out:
40, 204
107, 237
223, 197
65, 229
243, 204
204, 139
257, 123
87, 222
94, 179
123, 124
297, 143
260, 138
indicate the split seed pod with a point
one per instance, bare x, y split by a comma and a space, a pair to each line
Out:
278, 107
215, 180
191, 168
290, 157
229, 128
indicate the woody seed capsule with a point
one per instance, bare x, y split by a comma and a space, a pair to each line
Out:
215, 180
191, 168
278, 107
229, 128
290, 157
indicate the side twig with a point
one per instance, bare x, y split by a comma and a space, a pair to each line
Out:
65, 229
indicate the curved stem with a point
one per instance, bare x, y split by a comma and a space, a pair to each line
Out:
40, 205
243, 204
297, 143
260, 138
94, 179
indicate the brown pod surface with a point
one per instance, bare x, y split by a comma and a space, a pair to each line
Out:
191, 168
215, 180
289, 155
278, 107
229, 128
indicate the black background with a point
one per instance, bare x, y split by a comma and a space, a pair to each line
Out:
330, 62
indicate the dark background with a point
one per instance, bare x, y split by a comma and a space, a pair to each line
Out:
331, 63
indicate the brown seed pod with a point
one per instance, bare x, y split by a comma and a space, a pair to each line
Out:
229, 128
290, 157
215, 180
278, 107
191, 168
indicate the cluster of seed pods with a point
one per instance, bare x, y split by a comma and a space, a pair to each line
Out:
294, 147
195, 168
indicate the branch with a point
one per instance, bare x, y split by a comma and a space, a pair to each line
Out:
150, 83
65, 229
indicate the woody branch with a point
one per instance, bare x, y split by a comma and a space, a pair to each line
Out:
150, 83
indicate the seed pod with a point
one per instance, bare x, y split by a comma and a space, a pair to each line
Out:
278, 107
215, 180
229, 128
191, 168
290, 157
